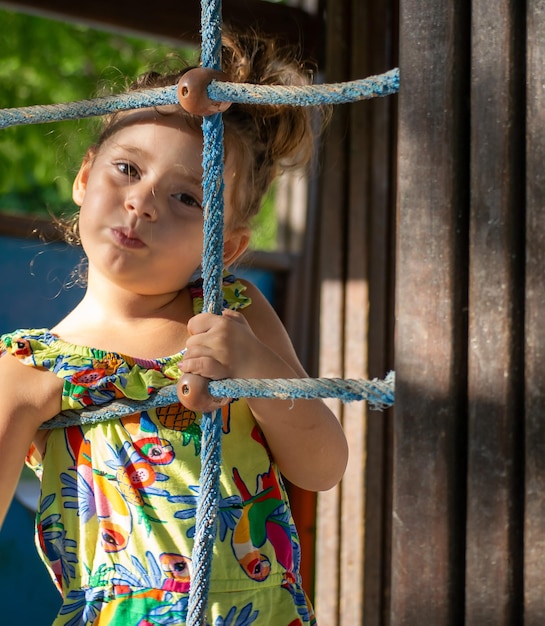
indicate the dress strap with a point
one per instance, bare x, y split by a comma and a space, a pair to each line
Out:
233, 294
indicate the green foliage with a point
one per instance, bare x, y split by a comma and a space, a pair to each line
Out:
45, 61
264, 225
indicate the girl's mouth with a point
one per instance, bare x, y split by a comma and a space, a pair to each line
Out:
126, 238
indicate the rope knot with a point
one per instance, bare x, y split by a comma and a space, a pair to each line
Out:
193, 94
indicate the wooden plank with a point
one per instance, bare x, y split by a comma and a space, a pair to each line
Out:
28, 227
330, 281
302, 316
368, 291
176, 22
534, 527
356, 331
428, 490
496, 334
378, 54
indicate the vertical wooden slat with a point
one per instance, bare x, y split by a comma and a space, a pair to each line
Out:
534, 528
354, 421
380, 37
356, 325
493, 575
330, 282
428, 490
358, 147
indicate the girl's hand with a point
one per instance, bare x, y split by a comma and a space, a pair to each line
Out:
222, 346
225, 346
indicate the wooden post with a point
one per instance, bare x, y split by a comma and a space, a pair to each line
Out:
330, 283
534, 506
431, 346
374, 147
496, 301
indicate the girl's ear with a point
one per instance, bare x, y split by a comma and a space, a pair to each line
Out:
235, 243
79, 185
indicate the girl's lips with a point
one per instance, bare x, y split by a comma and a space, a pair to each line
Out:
126, 239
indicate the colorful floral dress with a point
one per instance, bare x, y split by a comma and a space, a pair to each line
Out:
116, 516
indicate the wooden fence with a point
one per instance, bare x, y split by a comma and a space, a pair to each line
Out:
468, 529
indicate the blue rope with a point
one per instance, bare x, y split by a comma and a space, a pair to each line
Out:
208, 500
379, 394
212, 272
306, 95
213, 186
335, 93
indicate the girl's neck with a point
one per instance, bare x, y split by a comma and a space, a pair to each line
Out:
116, 320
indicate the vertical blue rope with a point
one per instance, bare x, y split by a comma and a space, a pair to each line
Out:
212, 267
212, 164
205, 524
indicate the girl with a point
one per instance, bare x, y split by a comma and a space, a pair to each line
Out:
116, 517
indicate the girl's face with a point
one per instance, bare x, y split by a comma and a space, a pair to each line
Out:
140, 198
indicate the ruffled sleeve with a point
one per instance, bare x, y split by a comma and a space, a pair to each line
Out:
91, 377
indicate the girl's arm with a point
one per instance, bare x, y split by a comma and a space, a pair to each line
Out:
304, 436
28, 397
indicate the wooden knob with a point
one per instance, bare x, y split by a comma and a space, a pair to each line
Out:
194, 395
192, 93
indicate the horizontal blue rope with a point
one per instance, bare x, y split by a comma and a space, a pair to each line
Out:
43, 113
310, 95
306, 95
378, 393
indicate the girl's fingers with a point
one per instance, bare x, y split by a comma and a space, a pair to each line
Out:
213, 346
204, 322
200, 323
204, 366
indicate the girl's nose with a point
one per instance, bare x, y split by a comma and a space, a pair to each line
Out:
142, 202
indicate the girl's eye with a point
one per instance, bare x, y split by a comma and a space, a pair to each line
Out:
127, 169
187, 199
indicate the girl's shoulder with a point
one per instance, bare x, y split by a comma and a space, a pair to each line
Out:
26, 390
